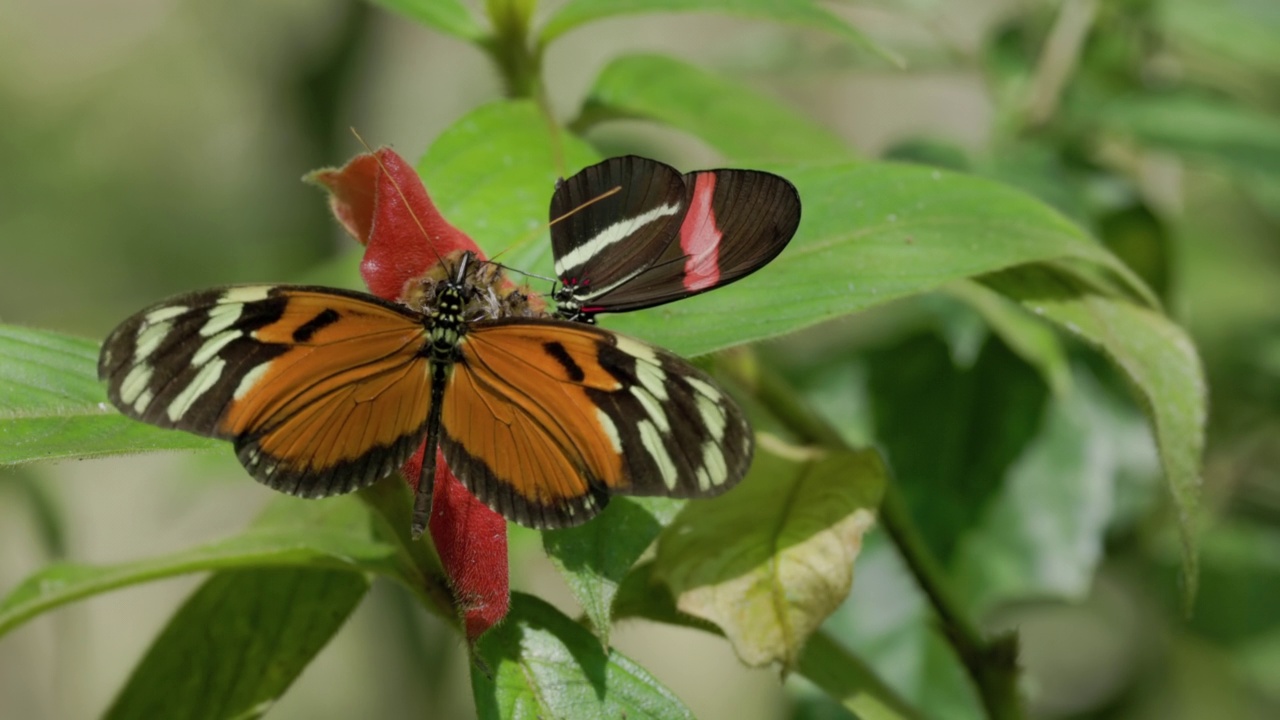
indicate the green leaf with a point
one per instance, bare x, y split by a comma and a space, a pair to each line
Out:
1241, 30
850, 681
1043, 536
931, 151
539, 663
1139, 237
239, 642
1200, 128
841, 674
768, 562
1257, 662
52, 405
1039, 169
447, 16
1029, 338
1241, 582
594, 557
870, 234
802, 13
741, 123
492, 174
331, 534
1158, 359
43, 507
975, 421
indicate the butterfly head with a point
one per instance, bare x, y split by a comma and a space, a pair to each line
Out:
469, 289
447, 304
569, 300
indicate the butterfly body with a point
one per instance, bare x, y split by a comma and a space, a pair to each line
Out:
323, 391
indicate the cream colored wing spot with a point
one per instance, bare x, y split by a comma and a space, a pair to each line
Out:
713, 466
221, 317
610, 430
636, 349
211, 347
204, 380
134, 383
704, 479
246, 294
652, 408
648, 366
657, 450
250, 379
150, 335
712, 417
164, 313
653, 379
704, 388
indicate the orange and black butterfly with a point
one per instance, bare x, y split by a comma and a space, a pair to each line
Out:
323, 391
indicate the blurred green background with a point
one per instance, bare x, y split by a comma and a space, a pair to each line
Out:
150, 147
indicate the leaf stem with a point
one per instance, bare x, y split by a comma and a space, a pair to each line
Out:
991, 663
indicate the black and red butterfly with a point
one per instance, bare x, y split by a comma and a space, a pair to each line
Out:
631, 233
323, 391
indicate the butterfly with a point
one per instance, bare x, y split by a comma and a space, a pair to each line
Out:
631, 233
323, 391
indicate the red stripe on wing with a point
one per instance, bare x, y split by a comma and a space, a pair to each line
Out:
700, 236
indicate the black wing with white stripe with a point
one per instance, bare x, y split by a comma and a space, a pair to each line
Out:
661, 236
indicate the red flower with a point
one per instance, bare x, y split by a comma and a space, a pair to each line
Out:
382, 203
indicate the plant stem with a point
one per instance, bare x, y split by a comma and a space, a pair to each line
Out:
1059, 58
991, 664
519, 64
519, 60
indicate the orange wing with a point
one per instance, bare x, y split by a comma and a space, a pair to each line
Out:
544, 419
323, 391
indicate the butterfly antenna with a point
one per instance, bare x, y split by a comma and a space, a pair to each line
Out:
607, 193
531, 235
525, 273
399, 191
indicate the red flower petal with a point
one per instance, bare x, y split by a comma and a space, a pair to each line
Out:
390, 214
382, 203
351, 193
471, 540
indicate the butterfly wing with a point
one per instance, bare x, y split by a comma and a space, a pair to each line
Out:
663, 236
323, 391
602, 245
543, 420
